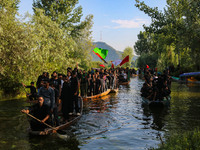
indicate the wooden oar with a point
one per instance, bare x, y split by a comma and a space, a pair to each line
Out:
54, 129
42, 122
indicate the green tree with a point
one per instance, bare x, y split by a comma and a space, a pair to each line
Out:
68, 17
174, 31
15, 46
142, 45
128, 51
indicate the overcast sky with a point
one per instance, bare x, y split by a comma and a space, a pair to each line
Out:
116, 22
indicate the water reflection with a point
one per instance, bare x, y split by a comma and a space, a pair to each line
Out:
154, 118
117, 121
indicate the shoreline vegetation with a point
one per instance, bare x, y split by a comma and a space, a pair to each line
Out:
55, 38
181, 141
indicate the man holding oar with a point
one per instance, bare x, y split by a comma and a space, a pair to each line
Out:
41, 112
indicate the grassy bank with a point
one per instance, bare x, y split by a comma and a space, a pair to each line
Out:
9, 97
185, 141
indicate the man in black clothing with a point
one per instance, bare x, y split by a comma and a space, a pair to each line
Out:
40, 79
41, 112
33, 93
55, 107
75, 91
66, 98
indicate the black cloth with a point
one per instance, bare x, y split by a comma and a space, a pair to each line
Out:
56, 82
32, 89
40, 113
66, 98
40, 78
74, 85
98, 83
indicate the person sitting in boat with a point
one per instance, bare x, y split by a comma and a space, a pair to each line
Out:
41, 112
33, 93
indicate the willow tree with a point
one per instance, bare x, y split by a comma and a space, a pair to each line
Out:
15, 46
178, 28
68, 17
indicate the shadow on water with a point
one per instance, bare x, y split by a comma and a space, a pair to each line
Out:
157, 114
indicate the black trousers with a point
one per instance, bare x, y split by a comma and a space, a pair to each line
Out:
75, 101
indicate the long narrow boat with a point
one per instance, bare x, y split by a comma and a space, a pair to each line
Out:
98, 95
156, 103
124, 83
73, 120
188, 77
114, 90
177, 79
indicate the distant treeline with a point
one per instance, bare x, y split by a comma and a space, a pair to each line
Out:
173, 37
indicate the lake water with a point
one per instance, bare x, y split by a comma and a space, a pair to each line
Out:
116, 122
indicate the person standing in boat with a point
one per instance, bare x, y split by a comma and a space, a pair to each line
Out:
41, 112
55, 107
98, 85
33, 93
89, 82
56, 81
48, 94
66, 98
84, 84
75, 85
40, 79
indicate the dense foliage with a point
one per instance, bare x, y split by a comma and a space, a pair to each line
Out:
173, 36
187, 140
54, 38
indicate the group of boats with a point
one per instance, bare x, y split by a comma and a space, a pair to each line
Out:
73, 118
156, 103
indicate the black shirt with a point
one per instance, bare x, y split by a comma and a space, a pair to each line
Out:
40, 112
33, 89
74, 85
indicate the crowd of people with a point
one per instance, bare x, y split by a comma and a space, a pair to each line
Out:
67, 87
156, 86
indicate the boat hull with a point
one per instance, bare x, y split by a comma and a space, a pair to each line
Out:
73, 120
156, 103
98, 95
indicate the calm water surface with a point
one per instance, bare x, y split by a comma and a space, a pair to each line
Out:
117, 122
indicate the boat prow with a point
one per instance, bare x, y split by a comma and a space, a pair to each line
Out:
98, 95
114, 90
73, 120
124, 83
157, 103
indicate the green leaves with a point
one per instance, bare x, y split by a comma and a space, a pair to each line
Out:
176, 27
54, 38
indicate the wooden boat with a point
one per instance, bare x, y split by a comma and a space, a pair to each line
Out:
73, 119
185, 80
134, 75
156, 103
124, 83
189, 77
114, 90
98, 95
